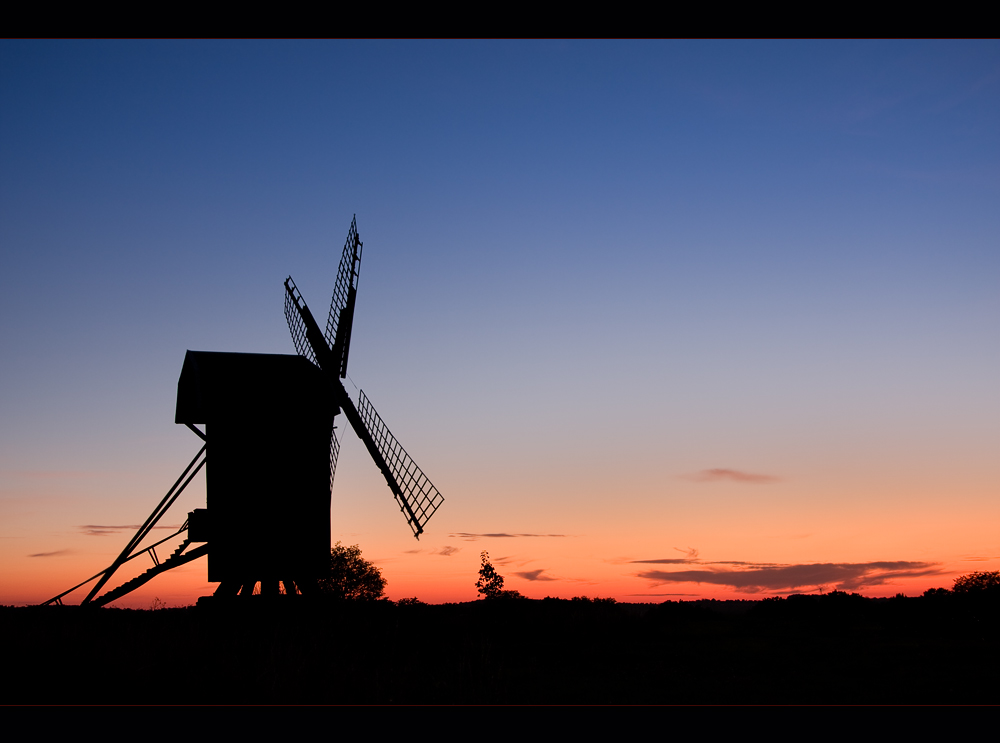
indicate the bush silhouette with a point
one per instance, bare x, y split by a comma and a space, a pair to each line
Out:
351, 576
979, 582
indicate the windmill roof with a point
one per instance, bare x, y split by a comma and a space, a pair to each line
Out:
217, 386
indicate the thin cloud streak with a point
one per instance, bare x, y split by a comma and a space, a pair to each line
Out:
715, 475
447, 551
843, 576
101, 530
696, 561
57, 553
474, 537
691, 552
534, 575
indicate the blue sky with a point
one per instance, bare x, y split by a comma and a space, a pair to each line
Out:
591, 269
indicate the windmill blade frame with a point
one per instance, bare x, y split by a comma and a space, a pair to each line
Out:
334, 454
345, 291
416, 496
296, 312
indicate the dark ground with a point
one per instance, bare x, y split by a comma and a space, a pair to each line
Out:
832, 649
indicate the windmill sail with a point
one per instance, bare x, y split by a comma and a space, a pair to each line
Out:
417, 497
345, 292
303, 328
296, 314
334, 454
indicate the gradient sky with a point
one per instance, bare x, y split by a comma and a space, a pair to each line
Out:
659, 319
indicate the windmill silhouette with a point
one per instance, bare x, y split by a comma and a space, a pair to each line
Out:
273, 441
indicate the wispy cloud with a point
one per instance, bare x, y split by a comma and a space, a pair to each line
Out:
720, 473
57, 553
534, 575
818, 576
474, 537
690, 552
447, 551
102, 530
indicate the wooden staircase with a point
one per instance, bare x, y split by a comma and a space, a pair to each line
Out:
176, 559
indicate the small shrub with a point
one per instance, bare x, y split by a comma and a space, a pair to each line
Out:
351, 576
979, 582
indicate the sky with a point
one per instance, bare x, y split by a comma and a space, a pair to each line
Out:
661, 320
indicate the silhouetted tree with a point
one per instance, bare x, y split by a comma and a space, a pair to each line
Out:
979, 582
351, 576
490, 583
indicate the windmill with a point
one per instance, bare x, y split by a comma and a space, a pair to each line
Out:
273, 442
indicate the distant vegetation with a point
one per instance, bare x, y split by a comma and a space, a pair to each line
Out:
352, 577
980, 582
832, 648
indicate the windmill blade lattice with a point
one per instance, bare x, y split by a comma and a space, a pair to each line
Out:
295, 308
341, 317
417, 497
295, 311
334, 454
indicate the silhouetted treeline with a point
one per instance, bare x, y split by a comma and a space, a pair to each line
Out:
832, 648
